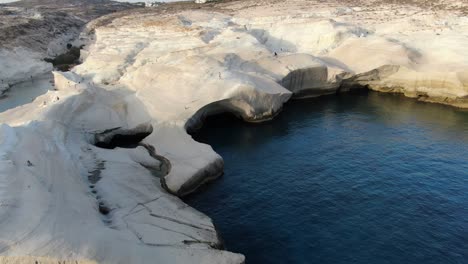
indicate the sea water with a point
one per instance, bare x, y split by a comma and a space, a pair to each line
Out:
369, 178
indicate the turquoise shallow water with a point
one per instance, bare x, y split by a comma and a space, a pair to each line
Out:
370, 178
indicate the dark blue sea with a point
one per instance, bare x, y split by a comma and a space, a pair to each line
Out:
368, 178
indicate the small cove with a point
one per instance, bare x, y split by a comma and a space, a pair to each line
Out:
25, 92
364, 178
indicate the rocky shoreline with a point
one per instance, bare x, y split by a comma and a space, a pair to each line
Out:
150, 75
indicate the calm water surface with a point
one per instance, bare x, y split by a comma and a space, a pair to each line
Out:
373, 178
25, 92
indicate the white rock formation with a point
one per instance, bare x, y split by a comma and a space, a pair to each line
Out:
152, 3
20, 64
62, 197
33, 30
159, 73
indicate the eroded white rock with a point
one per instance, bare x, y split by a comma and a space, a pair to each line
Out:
169, 71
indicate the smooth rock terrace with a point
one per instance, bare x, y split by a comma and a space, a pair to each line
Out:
167, 68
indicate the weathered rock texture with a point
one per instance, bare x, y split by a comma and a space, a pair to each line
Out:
168, 68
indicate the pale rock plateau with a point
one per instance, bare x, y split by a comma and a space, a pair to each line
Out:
91, 169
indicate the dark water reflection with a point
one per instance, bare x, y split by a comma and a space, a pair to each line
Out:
371, 178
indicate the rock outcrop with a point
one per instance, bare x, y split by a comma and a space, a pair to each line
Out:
449, 88
33, 30
168, 68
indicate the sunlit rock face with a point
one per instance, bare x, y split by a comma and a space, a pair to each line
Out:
149, 75
439, 87
250, 63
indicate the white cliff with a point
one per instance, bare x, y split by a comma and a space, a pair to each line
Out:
150, 75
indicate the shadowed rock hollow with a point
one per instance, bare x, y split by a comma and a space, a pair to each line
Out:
168, 68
